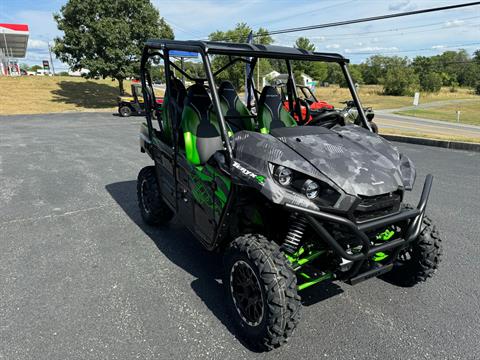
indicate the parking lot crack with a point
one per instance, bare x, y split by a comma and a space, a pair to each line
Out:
53, 216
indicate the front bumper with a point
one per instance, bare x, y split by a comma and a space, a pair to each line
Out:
413, 216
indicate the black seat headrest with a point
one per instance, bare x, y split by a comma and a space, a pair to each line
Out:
271, 113
270, 98
198, 96
228, 92
178, 91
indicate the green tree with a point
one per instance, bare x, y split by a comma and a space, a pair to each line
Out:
356, 74
317, 70
236, 72
399, 80
457, 65
422, 64
375, 69
107, 37
305, 44
334, 74
35, 68
431, 81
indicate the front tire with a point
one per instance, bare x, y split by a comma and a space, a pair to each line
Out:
261, 292
153, 209
124, 111
420, 261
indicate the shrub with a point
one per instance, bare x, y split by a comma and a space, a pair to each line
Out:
453, 86
477, 88
400, 81
431, 82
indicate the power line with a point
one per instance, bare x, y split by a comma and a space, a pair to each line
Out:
365, 38
360, 37
373, 18
355, 35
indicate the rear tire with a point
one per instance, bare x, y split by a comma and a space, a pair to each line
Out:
374, 127
124, 111
153, 209
421, 260
261, 292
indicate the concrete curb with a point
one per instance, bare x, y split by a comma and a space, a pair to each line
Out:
457, 145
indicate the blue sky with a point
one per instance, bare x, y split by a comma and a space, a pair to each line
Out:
427, 34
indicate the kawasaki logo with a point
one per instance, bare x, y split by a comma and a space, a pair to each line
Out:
259, 178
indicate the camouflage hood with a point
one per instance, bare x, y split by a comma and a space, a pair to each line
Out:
357, 161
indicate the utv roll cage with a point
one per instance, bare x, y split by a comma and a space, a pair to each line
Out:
237, 52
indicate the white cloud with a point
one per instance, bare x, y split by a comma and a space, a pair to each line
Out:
37, 44
402, 5
454, 23
333, 46
438, 47
368, 49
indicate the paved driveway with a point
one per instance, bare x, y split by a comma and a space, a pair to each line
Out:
82, 278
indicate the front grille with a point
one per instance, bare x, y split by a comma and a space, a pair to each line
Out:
373, 207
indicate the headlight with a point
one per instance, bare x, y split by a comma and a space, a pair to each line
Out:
408, 172
311, 189
283, 175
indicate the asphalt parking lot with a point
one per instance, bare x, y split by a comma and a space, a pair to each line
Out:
82, 278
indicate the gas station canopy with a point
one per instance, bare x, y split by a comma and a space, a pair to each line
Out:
14, 40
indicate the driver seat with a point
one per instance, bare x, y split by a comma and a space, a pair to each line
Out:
200, 126
175, 103
271, 113
239, 118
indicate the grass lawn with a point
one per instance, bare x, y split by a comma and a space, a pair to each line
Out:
469, 112
419, 134
371, 95
44, 94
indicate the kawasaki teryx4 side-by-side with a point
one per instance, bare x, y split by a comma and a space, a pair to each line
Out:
289, 206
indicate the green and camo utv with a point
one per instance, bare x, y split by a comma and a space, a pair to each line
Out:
288, 206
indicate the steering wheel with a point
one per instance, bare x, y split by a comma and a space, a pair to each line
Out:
298, 110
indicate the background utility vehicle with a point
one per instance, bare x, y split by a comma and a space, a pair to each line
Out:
319, 112
134, 105
289, 206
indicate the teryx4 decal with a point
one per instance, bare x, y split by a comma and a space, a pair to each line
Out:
259, 178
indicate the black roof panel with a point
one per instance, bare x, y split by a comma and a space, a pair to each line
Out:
243, 49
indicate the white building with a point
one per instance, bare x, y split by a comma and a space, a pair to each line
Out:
79, 72
275, 77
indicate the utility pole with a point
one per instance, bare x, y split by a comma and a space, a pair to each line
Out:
51, 61
6, 52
